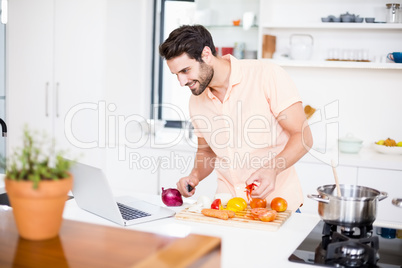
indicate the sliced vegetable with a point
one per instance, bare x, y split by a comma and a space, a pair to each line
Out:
268, 215
205, 201
220, 214
195, 208
258, 211
249, 190
263, 214
217, 204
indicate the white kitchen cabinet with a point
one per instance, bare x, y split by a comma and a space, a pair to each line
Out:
313, 175
54, 73
29, 65
389, 181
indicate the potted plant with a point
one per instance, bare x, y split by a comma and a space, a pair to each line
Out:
37, 182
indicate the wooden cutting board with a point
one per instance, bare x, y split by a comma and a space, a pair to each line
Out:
238, 221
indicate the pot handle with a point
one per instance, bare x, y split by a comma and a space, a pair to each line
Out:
382, 196
318, 198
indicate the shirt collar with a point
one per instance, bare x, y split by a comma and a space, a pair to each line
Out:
234, 79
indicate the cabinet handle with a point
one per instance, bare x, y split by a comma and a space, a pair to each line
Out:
47, 99
57, 99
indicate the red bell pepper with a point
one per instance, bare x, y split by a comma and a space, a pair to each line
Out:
249, 190
217, 204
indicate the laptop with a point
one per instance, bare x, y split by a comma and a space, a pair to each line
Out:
92, 193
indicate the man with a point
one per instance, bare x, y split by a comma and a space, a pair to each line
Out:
247, 115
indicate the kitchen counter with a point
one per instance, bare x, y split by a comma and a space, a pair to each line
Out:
92, 245
239, 247
367, 157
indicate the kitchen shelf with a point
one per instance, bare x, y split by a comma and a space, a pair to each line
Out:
338, 64
336, 25
229, 27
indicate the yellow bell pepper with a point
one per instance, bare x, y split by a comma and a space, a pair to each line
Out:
236, 204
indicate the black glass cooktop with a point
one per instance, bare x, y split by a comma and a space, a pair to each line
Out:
388, 253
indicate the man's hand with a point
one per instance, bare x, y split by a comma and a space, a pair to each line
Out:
265, 179
182, 185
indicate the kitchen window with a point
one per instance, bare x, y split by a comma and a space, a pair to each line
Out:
169, 99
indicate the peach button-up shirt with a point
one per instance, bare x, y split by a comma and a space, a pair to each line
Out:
244, 131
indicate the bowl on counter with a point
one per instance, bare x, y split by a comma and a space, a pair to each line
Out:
369, 20
387, 149
359, 20
350, 144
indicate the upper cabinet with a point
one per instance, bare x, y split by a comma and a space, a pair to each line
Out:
333, 44
81, 71
54, 72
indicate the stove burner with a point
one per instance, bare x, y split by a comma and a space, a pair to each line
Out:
348, 249
352, 251
313, 250
349, 231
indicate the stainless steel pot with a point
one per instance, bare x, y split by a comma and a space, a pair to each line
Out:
356, 206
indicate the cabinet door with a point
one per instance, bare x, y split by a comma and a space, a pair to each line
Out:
314, 175
79, 54
389, 181
29, 57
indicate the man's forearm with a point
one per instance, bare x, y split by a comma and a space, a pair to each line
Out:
297, 146
204, 164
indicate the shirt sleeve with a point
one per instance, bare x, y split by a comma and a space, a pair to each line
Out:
280, 90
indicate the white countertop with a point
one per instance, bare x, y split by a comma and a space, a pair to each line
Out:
367, 158
240, 247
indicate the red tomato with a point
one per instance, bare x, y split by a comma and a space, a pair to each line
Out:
279, 204
258, 203
258, 211
268, 215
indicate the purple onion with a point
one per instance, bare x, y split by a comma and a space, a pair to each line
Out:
171, 197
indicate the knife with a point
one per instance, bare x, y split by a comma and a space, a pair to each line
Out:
189, 188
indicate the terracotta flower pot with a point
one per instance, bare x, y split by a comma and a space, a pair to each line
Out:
38, 212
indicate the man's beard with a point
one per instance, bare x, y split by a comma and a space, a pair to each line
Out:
206, 74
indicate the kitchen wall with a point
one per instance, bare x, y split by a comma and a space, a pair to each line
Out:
367, 97
128, 46
368, 100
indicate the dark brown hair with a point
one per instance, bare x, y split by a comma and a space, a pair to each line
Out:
187, 39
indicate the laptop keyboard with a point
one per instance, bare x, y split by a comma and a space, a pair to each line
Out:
129, 213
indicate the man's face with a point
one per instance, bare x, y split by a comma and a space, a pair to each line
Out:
196, 75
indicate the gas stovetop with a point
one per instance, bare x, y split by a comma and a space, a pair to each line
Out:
334, 246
